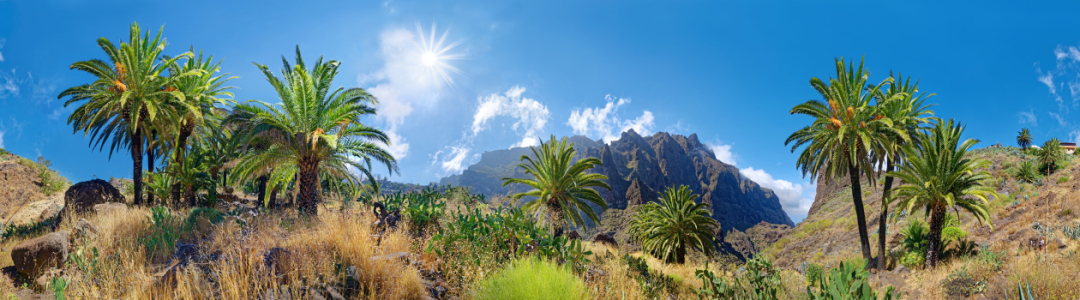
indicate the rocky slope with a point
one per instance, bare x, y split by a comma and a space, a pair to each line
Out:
22, 199
639, 167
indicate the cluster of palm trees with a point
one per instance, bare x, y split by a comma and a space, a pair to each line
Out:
565, 192
178, 109
1048, 155
869, 131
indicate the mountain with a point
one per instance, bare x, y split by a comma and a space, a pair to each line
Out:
638, 168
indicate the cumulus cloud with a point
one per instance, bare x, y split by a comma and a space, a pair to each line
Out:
1028, 117
531, 115
404, 82
795, 202
603, 122
723, 153
453, 161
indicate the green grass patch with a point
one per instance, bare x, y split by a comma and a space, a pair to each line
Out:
1063, 179
533, 279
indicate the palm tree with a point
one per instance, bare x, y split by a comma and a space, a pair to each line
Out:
314, 130
845, 133
939, 176
676, 224
1050, 153
910, 114
202, 94
127, 98
562, 187
1023, 139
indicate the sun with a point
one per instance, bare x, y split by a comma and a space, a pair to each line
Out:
434, 54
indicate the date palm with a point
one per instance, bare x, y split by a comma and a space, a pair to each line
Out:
845, 132
1023, 138
905, 107
1050, 154
675, 225
202, 93
938, 175
562, 187
127, 98
315, 130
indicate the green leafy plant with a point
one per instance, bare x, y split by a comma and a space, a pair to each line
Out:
913, 260
1062, 179
849, 280
761, 280
1027, 172
915, 236
814, 273
652, 283
1020, 292
58, 285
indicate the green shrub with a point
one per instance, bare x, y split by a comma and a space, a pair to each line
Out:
990, 258
652, 283
1027, 172
1063, 179
760, 281
913, 260
200, 219
533, 279
164, 232
915, 236
959, 284
849, 280
1066, 212
814, 273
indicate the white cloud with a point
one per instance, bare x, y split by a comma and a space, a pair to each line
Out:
531, 115
1028, 117
2, 139
2, 41
603, 122
792, 198
9, 84
454, 162
723, 153
1059, 118
404, 82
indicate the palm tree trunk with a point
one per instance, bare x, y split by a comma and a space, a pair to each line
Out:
178, 157
937, 220
136, 157
680, 254
308, 195
262, 188
189, 195
273, 197
860, 215
150, 164
882, 224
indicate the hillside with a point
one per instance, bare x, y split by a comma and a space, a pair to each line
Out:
828, 235
638, 168
29, 191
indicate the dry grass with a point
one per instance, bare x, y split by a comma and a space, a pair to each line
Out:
321, 248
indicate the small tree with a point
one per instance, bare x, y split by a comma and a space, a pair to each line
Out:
669, 229
1023, 139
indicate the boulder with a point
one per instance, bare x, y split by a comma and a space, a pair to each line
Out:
34, 256
83, 231
84, 195
606, 239
107, 208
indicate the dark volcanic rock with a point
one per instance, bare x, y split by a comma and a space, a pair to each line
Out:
638, 168
34, 256
84, 195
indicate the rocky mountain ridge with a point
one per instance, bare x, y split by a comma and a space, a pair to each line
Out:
638, 167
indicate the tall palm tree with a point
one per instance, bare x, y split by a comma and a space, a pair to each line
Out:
202, 93
127, 98
673, 226
845, 132
908, 113
1023, 138
314, 130
938, 175
1050, 153
562, 187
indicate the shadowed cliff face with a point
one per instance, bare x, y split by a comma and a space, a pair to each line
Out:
638, 168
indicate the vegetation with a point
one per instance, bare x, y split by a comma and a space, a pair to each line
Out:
1027, 172
845, 132
946, 179
562, 187
314, 133
1050, 155
533, 279
1023, 139
848, 281
674, 226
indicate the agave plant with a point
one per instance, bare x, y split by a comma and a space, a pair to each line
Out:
848, 281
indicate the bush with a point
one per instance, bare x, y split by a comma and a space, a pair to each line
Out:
1027, 172
849, 280
164, 232
1064, 213
760, 281
533, 279
913, 260
200, 219
652, 283
960, 284
1063, 179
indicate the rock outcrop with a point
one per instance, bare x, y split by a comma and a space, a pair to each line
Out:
638, 168
84, 195
34, 256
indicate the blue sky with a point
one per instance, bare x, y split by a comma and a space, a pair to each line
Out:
728, 71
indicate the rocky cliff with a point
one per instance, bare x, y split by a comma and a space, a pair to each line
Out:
638, 168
